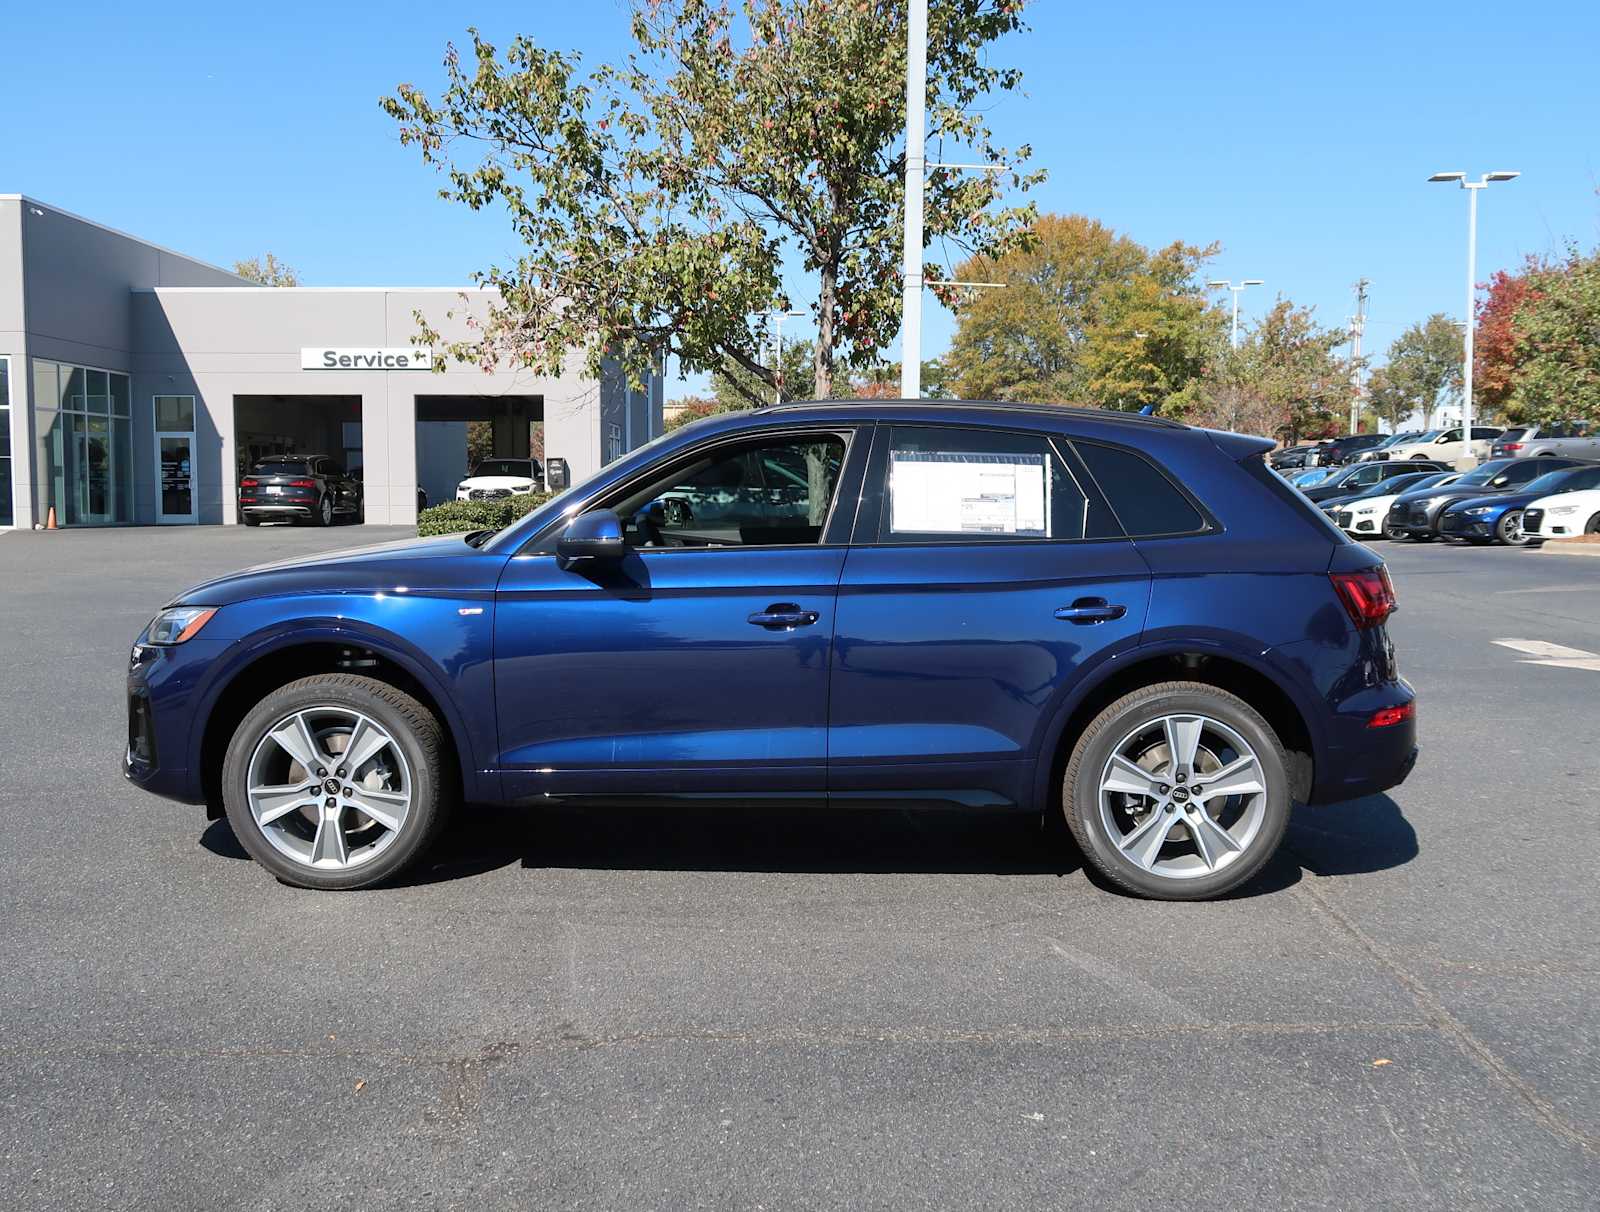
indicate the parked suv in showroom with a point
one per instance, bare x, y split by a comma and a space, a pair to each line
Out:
298, 488
1006, 607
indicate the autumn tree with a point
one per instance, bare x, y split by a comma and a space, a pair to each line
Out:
266, 271
1557, 326
1084, 315
663, 202
1494, 343
1424, 368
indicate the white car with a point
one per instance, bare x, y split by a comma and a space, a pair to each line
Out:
1446, 445
495, 478
1562, 515
1364, 516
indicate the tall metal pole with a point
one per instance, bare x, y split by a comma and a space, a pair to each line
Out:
1237, 291
1468, 458
1358, 324
916, 169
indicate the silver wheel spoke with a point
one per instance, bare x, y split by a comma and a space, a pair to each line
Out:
294, 737
328, 847
1124, 776
1211, 840
1183, 741
1145, 842
388, 808
269, 803
366, 742
1239, 777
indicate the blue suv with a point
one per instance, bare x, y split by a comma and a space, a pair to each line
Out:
1119, 618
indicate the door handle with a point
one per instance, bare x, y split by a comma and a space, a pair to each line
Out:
1091, 610
783, 615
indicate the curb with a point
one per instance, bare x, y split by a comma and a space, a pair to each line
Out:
1572, 547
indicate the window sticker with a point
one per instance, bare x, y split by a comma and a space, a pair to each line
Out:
956, 492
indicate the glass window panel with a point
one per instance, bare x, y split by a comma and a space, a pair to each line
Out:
1145, 501
175, 414
72, 388
97, 391
122, 468
6, 518
119, 395
46, 392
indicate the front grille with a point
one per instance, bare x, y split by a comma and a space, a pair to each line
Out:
1419, 515
487, 494
1531, 519
1452, 522
141, 730
1344, 517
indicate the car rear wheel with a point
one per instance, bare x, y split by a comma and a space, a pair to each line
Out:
249, 519
324, 513
1509, 530
1592, 526
1178, 791
336, 782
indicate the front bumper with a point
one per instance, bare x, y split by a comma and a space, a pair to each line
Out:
162, 688
1461, 526
1413, 520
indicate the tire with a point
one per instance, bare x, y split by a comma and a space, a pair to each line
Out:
1508, 531
1416, 457
324, 514
1229, 729
1394, 532
297, 843
248, 520
1592, 526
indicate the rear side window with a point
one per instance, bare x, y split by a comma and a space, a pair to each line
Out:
943, 484
1513, 435
1146, 502
1256, 468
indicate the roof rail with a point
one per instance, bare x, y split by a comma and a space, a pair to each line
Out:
1076, 410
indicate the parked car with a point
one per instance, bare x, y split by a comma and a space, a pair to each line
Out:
1364, 513
1574, 439
1312, 475
293, 488
496, 478
1445, 445
1341, 450
1120, 618
1498, 519
1359, 476
1562, 516
1415, 515
1382, 449
1290, 458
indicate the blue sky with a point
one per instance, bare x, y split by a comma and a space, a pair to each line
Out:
1298, 136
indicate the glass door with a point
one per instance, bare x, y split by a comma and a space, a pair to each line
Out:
175, 497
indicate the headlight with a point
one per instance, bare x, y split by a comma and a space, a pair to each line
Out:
1563, 510
1479, 510
1365, 510
178, 624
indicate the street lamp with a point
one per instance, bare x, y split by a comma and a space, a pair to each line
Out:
777, 362
1238, 290
1469, 460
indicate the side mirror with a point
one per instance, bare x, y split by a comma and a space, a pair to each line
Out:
596, 535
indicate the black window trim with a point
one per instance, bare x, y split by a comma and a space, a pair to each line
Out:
1208, 521
543, 543
875, 491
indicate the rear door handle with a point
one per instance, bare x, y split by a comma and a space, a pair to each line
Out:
1091, 610
783, 615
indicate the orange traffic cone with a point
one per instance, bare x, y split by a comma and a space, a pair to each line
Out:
50, 519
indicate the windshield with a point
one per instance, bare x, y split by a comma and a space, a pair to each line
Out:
504, 467
1428, 434
1482, 475
1551, 481
1395, 485
1395, 439
1315, 476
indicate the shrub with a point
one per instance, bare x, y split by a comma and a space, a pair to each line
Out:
460, 517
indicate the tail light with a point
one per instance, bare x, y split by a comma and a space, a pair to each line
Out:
1510, 446
302, 483
1388, 717
248, 483
1368, 595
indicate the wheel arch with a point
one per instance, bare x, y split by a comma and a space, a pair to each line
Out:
1225, 669
289, 655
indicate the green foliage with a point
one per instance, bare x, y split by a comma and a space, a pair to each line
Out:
1284, 379
1557, 327
458, 517
734, 387
1423, 373
266, 271
659, 199
1085, 316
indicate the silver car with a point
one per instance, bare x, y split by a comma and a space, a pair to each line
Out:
1575, 439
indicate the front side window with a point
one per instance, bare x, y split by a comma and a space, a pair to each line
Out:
771, 492
944, 484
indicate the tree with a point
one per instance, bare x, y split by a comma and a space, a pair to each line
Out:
1424, 369
1085, 315
1557, 375
1494, 344
1387, 400
267, 271
882, 381
659, 200
735, 387
1283, 380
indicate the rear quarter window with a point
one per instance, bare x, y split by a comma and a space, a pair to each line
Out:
1256, 468
1145, 500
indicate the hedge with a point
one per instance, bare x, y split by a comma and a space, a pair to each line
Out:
459, 517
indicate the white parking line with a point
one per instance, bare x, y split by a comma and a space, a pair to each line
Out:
1557, 655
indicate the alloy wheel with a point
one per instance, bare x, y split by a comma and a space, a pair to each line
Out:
328, 787
1509, 529
1183, 796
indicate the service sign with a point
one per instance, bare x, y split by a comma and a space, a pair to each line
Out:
402, 357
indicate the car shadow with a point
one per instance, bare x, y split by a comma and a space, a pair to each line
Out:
1353, 838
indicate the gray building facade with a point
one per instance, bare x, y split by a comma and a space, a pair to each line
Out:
137, 384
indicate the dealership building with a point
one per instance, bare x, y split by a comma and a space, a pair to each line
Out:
137, 384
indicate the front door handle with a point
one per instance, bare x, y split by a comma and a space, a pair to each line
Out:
783, 615
1091, 610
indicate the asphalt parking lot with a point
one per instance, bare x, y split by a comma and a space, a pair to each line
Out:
805, 1010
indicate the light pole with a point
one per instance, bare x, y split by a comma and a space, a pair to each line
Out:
1468, 460
778, 318
916, 168
1238, 290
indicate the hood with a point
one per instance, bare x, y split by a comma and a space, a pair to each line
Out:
1504, 499
1452, 492
443, 562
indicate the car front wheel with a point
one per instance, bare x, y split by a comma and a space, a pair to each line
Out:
1509, 530
1178, 791
336, 782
